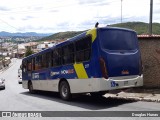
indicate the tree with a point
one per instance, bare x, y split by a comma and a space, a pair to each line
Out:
28, 52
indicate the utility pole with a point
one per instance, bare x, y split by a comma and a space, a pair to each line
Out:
150, 19
1, 50
121, 11
17, 49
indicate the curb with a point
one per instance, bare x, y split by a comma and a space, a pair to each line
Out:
135, 98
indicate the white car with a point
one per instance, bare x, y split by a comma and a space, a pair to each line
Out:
19, 72
20, 80
2, 83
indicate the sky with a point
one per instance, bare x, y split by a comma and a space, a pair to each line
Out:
51, 16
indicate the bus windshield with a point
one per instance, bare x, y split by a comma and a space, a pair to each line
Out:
117, 39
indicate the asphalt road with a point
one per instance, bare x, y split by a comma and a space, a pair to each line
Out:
15, 98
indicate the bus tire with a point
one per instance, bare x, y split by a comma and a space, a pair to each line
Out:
30, 87
64, 90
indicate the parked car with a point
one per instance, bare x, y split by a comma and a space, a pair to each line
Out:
20, 80
19, 72
2, 83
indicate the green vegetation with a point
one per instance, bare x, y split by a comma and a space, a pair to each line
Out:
139, 27
61, 35
28, 52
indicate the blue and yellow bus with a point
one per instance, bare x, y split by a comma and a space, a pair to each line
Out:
96, 61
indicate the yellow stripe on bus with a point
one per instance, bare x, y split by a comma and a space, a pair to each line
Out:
80, 70
92, 32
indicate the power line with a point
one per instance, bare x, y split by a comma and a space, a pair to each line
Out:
8, 24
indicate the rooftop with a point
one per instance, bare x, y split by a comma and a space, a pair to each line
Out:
146, 36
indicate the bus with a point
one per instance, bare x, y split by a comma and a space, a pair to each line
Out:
95, 61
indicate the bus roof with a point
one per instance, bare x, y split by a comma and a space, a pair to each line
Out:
117, 28
75, 38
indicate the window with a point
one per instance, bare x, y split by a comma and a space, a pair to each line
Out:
38, 62
83, 49
44, 62
29, 65
68, 54
24, 66
63, 55
118, 40
57, 57
48, 59
33, 63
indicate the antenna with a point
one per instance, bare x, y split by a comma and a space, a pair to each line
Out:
96, 25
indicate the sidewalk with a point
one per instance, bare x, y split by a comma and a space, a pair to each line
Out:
13, 60
139, 94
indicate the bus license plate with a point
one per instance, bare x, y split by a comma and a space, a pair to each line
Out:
125, 82
113, 84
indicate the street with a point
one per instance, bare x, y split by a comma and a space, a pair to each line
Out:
15, 98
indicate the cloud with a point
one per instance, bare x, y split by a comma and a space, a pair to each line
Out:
37, 8
54, 11
2, 8
28, 18
95, 3
47, 16
12, 18
31, 28
81, 2
157, 11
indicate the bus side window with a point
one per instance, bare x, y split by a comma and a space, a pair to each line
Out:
24, 66
56, 57
29, 65
44, 62
48, 59
59, 59
68, 54
38, 61
83, 49
33, 63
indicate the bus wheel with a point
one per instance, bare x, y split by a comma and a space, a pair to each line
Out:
30, 87
64, 90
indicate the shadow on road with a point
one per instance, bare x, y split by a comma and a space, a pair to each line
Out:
83, 101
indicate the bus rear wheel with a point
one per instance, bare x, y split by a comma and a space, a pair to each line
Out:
64, 90
30, 87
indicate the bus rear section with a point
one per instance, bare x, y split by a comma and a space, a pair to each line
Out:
120, 59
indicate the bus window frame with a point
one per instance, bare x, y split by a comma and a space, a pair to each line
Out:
69, 54
90, 49
24, 66
60, 57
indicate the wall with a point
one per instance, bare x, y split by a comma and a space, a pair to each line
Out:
150, 53
1, 65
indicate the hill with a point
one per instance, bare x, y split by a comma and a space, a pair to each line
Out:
139, 27
61, 35
7, 34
